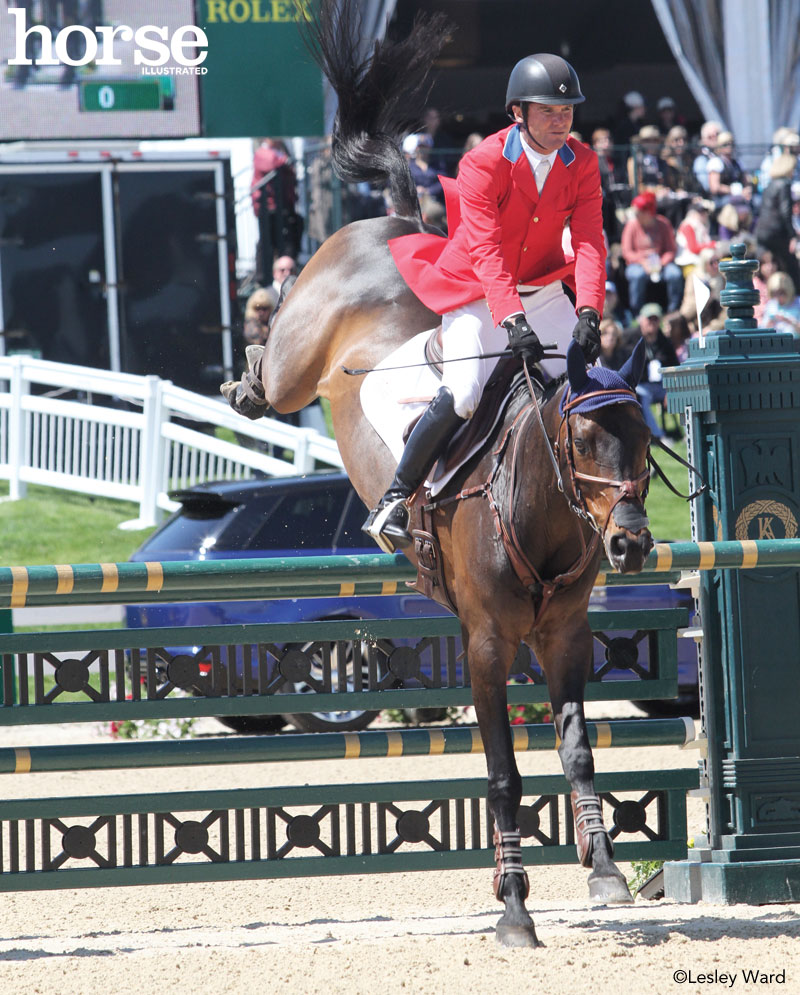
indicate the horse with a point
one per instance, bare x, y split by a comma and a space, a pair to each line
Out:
522, 526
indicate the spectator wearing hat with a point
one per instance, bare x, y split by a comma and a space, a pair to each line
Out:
613, 307
783, 140
726, 178
659, 353
667, 116
648, 248
709, 132
646, 169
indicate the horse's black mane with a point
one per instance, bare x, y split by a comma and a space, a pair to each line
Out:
381, 95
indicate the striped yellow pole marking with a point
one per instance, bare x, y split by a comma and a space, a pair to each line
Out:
520, 737
352, 745
395, 744
389, 587
110, 577
477, 742
19, 586
66, 578
155, 576
749, 553
663, 556
436, 742
347, 590
22, 764
603, 736
707, 555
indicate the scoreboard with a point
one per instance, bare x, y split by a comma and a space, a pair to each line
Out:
136, 69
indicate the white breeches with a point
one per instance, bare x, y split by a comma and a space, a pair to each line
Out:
470, 331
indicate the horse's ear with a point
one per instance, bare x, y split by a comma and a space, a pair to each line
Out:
576, 367
633, 367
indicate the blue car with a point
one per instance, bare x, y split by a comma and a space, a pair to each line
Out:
319, 515
307, 516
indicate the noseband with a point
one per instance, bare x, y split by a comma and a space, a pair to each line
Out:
633, 489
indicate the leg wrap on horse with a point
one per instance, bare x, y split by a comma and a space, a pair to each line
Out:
247, 396
508, 856
588, 814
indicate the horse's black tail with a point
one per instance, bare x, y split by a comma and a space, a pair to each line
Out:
381, 97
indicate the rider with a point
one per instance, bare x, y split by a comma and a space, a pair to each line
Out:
525, 249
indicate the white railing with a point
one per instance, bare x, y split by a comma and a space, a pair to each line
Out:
134, 438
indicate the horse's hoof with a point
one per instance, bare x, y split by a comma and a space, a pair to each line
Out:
610, 889
516, 936
234, 394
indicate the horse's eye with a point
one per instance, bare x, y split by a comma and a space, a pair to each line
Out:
581, 447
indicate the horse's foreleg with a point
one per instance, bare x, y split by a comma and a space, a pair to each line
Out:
489, 660
570, 658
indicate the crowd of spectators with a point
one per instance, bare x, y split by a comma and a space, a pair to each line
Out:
673, 201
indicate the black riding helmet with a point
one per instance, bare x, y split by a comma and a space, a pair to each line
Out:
543, 79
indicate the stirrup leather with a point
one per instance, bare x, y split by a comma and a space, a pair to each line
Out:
377, 521
508, 857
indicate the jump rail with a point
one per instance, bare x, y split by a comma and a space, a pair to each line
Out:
204, 835
322, 576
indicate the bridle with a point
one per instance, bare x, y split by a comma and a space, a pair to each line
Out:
631, 489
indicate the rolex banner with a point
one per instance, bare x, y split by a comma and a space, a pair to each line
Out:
261, 81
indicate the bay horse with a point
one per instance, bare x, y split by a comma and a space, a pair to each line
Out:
520, 557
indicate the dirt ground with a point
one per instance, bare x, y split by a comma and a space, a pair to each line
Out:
418, 933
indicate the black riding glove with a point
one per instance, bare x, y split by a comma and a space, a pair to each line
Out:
587, 334
523, 340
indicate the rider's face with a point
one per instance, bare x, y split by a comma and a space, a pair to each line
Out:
548, 125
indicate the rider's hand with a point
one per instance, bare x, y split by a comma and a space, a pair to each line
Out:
587, 333
523, 340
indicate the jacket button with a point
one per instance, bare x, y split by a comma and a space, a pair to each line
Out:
536, 221
524, 248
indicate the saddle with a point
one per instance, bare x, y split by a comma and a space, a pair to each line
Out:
506, 381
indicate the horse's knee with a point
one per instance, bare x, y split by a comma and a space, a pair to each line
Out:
505, 793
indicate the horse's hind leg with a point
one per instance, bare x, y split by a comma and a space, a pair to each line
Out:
490, 657
566, 681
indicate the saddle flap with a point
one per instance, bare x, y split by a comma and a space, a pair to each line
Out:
504, 382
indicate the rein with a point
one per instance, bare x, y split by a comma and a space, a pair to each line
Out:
628, 489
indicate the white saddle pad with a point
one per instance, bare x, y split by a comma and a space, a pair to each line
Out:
393, 399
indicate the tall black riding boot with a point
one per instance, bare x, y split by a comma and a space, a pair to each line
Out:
388, 523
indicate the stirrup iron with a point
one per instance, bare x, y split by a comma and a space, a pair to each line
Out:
377, 520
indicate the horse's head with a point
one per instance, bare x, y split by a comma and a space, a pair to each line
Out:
605, 444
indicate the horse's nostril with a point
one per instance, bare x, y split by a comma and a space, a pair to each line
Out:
618, 544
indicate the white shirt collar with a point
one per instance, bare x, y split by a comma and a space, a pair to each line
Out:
534, 157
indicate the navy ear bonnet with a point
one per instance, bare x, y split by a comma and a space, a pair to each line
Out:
597, 382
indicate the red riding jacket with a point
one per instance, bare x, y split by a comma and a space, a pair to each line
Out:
502, 234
